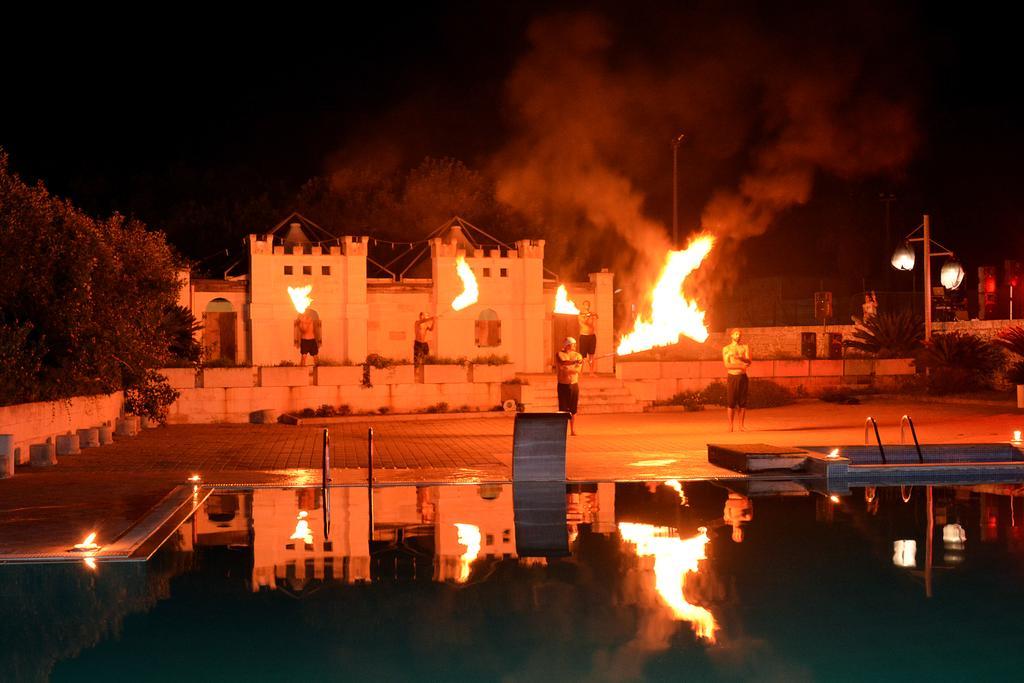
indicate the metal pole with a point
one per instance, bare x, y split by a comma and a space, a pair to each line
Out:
369, 456
325, 464
927, 279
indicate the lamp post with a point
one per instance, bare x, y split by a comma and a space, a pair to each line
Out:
952, 272
676, 141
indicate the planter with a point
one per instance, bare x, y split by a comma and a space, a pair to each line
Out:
6, 456
106, 435
180, 378
42, 455
488, 373
67, 444
222, 378
285, 377
444, 374
89, 437
397, 374
339, 375
148, 423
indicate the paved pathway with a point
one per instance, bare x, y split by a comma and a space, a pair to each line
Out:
107, 489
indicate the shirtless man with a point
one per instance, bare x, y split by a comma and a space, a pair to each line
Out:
570, 363
588, 335
420, 347
306, 338
736, 357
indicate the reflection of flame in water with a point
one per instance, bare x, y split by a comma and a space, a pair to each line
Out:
834, 453
562, 303
300, 297
90, 562
88, 544
302, 531
469, 536
672, 314
470, 291
678, 488
673, 559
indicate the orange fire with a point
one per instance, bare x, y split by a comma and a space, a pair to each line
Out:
672, 314
300, 297
678, 488
470, 291
469, 536
88, 544
562, 303
674, 558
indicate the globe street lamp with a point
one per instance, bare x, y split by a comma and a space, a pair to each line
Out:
951, 275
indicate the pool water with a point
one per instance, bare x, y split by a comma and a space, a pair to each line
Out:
703, 584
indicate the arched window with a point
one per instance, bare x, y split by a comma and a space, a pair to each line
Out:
219, 330
488, 329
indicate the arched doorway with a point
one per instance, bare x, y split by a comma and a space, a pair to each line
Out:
219, 330
488, 329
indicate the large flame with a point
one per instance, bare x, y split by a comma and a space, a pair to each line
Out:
89, 543
300, 297
469, 536
672, 314
470, 291
674, 558
562, 303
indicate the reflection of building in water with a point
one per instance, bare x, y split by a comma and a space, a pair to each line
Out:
277, 556
592, 504
487, 508
225, 520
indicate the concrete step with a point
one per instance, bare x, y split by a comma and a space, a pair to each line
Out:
595, 409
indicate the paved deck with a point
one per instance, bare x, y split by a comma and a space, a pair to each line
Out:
107, 489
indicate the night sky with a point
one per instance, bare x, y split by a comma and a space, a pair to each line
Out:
140, 117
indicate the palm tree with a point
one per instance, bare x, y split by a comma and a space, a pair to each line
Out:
888, 335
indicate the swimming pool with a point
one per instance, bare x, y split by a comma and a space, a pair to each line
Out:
425, 583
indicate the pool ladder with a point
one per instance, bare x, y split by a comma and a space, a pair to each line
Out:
904, 421
870, 421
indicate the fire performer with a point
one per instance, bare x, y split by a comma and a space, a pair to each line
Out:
736, 357
588, 335
307, 336
420, 347
570, 363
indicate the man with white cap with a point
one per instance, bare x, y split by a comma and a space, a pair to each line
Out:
570, 364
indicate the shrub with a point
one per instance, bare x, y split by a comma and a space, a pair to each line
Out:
375, 360
1015, 373
287, 364
220, 363
888, 335
151, 396
329, 362
841, 396
307, 412
692, 401
179, 327
440, 407
383, 410
492, 359
763, 394
516, 380
443, 360
959, 362
1012, 339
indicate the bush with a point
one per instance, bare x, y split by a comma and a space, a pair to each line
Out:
959, 362
442, 360
383, 410
1012, 339
179, 327
516, 380
375, 360
287, 364
763, 394
1015, 373
220, 363
888, 335
692, 401
492, 359
841, 396
440, 407
82, 300
151, 396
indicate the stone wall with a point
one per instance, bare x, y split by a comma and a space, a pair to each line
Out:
660, 380
232, 394
32, 423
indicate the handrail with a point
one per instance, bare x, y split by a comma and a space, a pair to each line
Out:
881, 450
913, 432
325, 481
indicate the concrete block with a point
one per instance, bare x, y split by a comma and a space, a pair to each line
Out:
6, 456
643, 391
285, 377
792, 368
440, 374
89, 437
68, 444
826, 368
220, 378
633, 370
180, 378
42, 455
488, 373
263, 417
666, 388
682, 369
396, 374
341, 375
894, 366
126, 426
712, 369
858, 366
106, 434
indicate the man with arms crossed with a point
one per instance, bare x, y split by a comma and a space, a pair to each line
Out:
736, 357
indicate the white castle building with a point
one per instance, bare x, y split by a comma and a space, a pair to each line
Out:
368, 293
